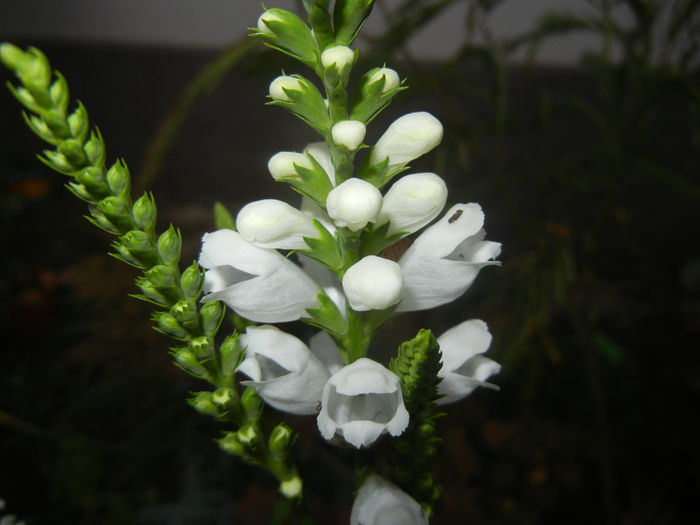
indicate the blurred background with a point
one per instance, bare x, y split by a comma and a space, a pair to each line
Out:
575, 124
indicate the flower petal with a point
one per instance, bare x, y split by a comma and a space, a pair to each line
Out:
379, 502
462, 342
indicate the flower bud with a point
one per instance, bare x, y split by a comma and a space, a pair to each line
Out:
252, 403
281, 165
280, 439
266, 17
349, 134
248, 435
211, 315
271, 223
139, 244
391, 78
118, 179
339, 56
223, 397
353, 204
184, 311
203, 403
412, 202
191, 281
169, 325
187, 360
230, 355
201, 347
373, 283
282, 84
93, 179
406, 139
168, 245
232, 445
163, 276
144, 212
95, 149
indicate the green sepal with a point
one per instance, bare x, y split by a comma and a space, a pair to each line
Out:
59, 92
83, 194
40, 129
56, 121
223, 219
375, 240
320, 21
203, 403
118, 211
139, 245
31, 66
313, 183
191, 281
72, 149
57, 161
150, 293
95, 148
231, 355
348, 18
325, 248
252, 404
290, 35
144, 212
93, 180
327, 316
185, 312
211, 315
378, 174
25, 98
308, 104
119, 181
368, 99
231, 444
185, 359
165, 279
168, 325
280, 440
202, 347
123, 253
79, 124
169, 245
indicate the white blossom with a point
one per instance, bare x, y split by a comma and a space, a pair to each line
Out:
349, 134
373, 283
464, 368
354, 203
406, 139
258, 283
361, 402
338, 56
286, 374
282, 164
445, 259
412, 202
391, 78
271, 223
280, 85
379, 502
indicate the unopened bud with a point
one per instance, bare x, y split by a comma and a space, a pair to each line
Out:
349, 134
280, 439
187, 360
281, 85
339, 56
412, 202
203, 403
373, 283
144, 212
406, 139
264, 19
211, 314
281, 164
232, 445
248, 435
391, 79
230, 355
252, 403
169, 244
191, 281
271, 223
169, 325
223, 397
201, 347
354, 203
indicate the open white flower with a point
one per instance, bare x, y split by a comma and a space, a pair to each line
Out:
463, 367
445, 259
406, 139
361, 402
373, 283
412, 202
258, 283
379, 502
286, 374
271, 223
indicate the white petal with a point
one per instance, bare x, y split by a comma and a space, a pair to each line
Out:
365, 376
412, 202
272, 223
407, 138
462, 342
373, 283
323, 347
459, 223
455, 386
379, 502
361, 433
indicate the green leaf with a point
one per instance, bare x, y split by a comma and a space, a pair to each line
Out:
325, 249
374, 239
223, 220
327, 316
289, 34
308, 104
348, 18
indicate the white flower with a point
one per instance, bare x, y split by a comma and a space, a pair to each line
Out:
406, 139
379, 502
286, 374
258, 283
445, 259
340, 56
323, 347
354, 203
361, 402
412, 202
391, 78
271, 223
282, 164
280, 85
373, 283
349, 134
463, 366
322, 154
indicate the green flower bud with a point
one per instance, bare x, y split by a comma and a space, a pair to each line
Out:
248, 435
191, 281
119, 180
202, 347
95, 148
184, 311
230, 355
32, 66
292, 487
94, 181
82, 193
169, 244
280, 439
203, 402
151, 292
232, 445
57, 161
39, 127
252, 404
59, 92
78, 123
211, 314
169, 325
117, 210
144, 212
73, 150
186, 360
162, 276
140, 245
56, 120
287, 32
224, 397
99, 220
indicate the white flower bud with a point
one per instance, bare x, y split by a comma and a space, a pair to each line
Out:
353, 204
267, 16
373, 283
391, 78
412, 202
340, 56
270, 223
406, 139
349, 134
282, 164
379, 502
282, 83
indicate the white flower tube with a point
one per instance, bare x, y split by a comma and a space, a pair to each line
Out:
445, 259
412, 202
379, 502
258, 283
361, 402
286, 374
406, 139
271, 223
463, 367
373, 283
349, 134
353, 204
